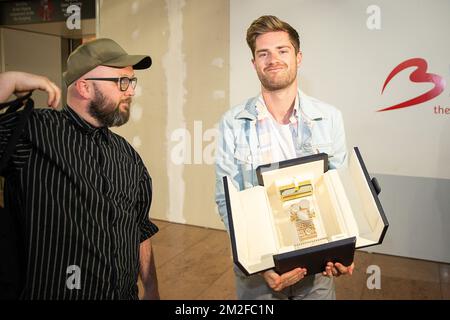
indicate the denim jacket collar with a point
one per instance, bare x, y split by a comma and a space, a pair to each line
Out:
307, 108
249, 112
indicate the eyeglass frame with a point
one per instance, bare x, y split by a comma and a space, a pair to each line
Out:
119, 81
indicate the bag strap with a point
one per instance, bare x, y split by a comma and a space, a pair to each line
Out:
23, 118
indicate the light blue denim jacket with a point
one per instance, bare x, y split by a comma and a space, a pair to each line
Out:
238, 155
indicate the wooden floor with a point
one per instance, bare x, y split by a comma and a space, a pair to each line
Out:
195, 263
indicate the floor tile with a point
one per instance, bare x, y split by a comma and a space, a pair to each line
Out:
161, 224
222, 289
444, 272
190, 273
403, 289
445, 290
350, 287
181, 236
196, 263
405, 268
163, 254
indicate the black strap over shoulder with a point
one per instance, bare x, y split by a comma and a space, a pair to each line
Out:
13, 106
12, 269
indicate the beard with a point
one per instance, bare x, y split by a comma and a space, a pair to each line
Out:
106, 112
281, 80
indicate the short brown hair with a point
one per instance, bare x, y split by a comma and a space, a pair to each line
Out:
265, 24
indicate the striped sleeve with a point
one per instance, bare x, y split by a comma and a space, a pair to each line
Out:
147, 228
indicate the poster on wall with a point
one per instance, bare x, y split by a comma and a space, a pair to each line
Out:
44, 11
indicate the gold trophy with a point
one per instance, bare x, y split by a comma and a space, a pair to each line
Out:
296, 190
303, 217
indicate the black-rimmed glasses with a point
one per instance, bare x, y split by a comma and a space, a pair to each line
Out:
124, 82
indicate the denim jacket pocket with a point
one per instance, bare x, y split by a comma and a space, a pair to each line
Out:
244, 161
243, 155
326, 147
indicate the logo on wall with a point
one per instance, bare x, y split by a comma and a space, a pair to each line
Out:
420, 75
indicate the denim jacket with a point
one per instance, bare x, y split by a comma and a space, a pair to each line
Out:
238, 155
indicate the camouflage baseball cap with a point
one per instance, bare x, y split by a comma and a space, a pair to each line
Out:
101, 52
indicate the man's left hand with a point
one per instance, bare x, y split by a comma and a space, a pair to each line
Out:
337, 269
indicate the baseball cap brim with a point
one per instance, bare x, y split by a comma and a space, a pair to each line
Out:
138, 62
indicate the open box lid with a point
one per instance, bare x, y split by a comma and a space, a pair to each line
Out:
253, 242
362, 195
253, 235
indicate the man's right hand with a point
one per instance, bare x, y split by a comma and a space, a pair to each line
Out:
278, 282
21, 83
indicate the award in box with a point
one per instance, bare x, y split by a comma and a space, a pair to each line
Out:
303, 214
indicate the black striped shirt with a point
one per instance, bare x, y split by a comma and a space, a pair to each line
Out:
81, 197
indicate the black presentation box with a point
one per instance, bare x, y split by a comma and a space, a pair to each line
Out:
303, 214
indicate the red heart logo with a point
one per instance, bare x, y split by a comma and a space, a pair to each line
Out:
418, 75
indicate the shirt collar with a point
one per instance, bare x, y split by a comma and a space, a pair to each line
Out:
255, 109
83, 125
263, 112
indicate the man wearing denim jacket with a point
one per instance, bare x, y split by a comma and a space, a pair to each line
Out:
280, 123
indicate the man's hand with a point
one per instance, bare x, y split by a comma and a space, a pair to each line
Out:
278, 282
337, 269
21, 83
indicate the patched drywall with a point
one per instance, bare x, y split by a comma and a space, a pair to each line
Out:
179, 100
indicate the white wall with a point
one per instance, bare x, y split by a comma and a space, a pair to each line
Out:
345, 63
